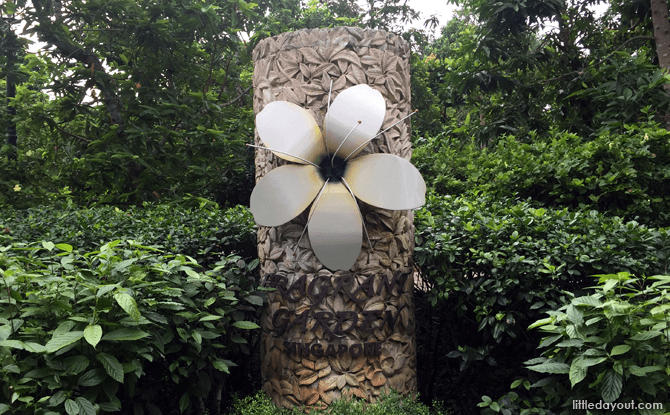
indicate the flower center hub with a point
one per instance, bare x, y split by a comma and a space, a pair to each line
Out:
332, 172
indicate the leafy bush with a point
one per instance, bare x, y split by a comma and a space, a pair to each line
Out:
611, 346
493, 267
122, 327
623, 174
193, 231
500, 263
388, 404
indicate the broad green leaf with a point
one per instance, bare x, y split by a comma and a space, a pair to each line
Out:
34, 347
210, 318
111, 365
541, 322
12, 344
105, 289
64, 327
548, 341
93, 334
184, 401
192, 273
646, 335
254, 299
128, 304
571, 343
577, 373
57, 398
550, 367
125, 334
609, 285
11, 369
71, 407
586, 300
223, 365
63, 247
611, 386
48, 245
584, 362
642, 371
85, 406
62, 340
92, 377
3, 408
620, 349
593, 320
574, 315
182, 333
125, 264
76, 364
246, 325
109, 407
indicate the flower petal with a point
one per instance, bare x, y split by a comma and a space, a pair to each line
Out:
386, 181
358, 103
335, 228
289, 128
284, 193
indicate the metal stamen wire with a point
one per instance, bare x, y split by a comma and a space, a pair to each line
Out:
281, 152
316, 202
366, 143
323, 136
345, 139
359, 214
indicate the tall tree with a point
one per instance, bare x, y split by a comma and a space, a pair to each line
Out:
145, 95
10, 45
507, 73
659, 16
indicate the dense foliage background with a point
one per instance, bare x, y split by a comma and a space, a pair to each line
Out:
128, 270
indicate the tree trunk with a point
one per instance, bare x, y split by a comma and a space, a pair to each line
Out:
659, 16
304, 365
11, 49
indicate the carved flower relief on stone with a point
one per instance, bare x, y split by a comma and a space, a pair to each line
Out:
328, 175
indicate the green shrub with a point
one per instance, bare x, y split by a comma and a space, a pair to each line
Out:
122, 327
610, 346
388, 404
193, 231
499, 264
624, 174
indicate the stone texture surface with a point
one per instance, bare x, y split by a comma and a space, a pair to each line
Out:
298, 67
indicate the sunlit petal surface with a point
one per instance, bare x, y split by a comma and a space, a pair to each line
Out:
284, 193
335, 229
386, 181
291, 129
358, 103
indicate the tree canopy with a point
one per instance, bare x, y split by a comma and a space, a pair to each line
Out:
134, 101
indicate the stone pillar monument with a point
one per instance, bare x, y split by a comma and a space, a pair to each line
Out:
328, 333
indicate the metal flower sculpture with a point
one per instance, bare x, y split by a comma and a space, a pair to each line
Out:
329, 174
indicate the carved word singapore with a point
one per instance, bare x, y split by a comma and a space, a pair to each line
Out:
283, 320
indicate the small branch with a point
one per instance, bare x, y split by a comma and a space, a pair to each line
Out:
622, 45
599, 62
209, 78
237, 98
78, 137
225, 78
